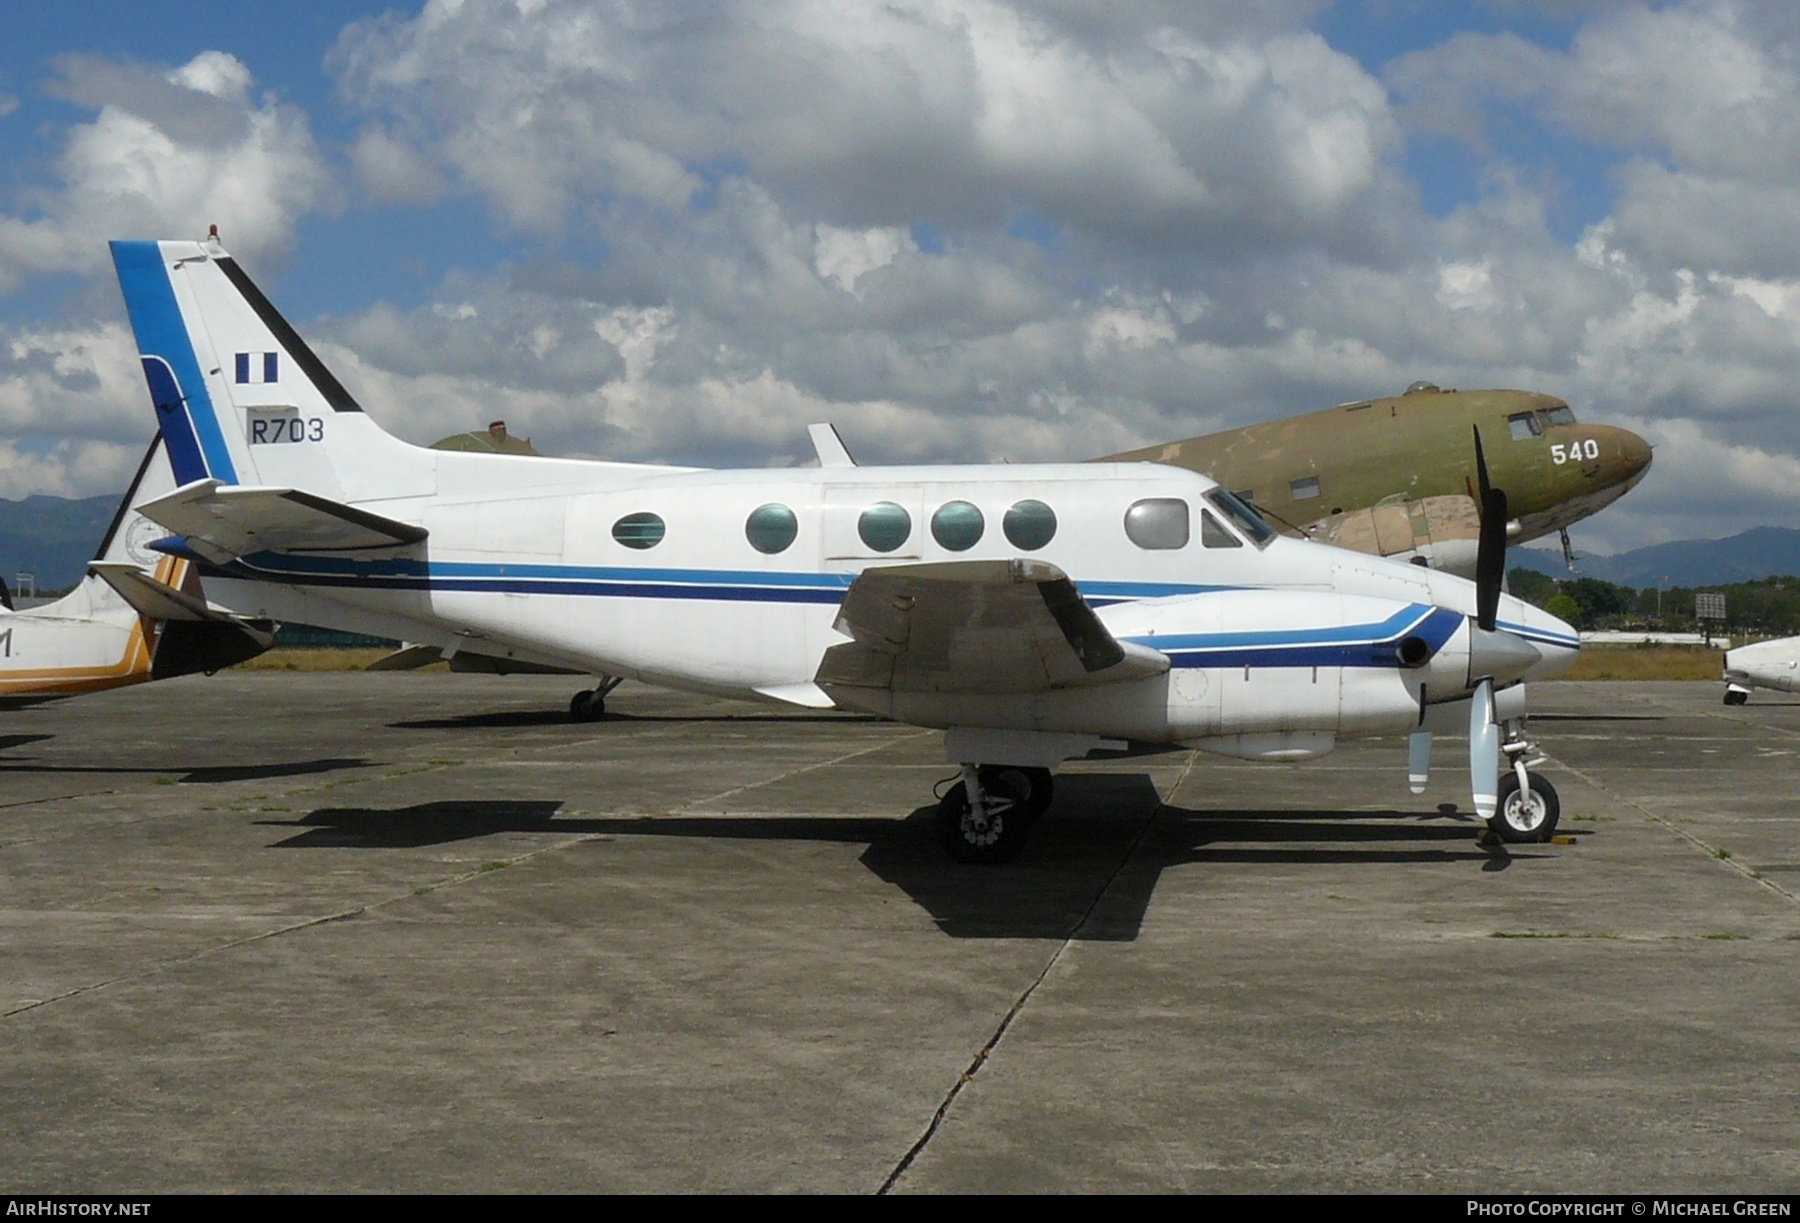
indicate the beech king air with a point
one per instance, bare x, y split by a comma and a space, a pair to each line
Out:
138, 614
1035, 613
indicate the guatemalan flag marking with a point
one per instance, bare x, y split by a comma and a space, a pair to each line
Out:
258, 367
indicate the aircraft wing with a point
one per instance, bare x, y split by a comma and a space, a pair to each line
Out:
229, 520
1013, 626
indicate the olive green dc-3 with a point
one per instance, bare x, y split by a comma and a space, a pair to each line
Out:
1397, 476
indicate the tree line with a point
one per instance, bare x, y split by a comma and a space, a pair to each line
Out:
1767, 607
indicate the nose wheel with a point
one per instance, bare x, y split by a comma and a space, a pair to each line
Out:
1525, 815
986, 817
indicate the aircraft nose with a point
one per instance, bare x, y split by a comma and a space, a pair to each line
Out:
1625, 453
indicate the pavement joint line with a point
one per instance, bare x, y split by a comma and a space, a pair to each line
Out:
1711, 851
819, 764
1018, 1006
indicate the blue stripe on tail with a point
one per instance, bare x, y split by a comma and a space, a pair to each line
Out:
183, 408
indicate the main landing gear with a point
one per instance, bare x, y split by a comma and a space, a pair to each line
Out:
1527, 808
985, 817
589, 705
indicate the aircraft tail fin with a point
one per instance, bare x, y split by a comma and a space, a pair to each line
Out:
240, 397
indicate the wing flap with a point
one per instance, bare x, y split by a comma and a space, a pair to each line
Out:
976, 627
237, 520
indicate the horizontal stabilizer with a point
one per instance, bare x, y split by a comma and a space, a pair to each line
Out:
226, 521
1013, 626
149, 597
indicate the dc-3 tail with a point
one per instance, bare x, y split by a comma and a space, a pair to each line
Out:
240, 397
268, 447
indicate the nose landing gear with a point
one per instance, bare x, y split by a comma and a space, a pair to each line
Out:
1527, 808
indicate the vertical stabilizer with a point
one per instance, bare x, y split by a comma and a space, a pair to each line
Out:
239, 396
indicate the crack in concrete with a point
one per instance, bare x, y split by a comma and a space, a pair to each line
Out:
1006, 1021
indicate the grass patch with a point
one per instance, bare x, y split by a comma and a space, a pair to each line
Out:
1592, 819
319, 660
1635, 662
491, 866
1722, 854
1725, 937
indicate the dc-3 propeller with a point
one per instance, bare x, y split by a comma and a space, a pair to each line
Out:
1519, 806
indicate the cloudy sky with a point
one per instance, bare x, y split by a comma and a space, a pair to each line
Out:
1021, 229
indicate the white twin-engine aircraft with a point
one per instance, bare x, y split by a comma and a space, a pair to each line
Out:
1036, 612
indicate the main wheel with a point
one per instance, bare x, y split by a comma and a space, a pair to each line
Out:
995, 837
588, 705
1736, 696
1521, 817
1037, 785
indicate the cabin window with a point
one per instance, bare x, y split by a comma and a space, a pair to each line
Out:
1523, 425
771, 528
1242, 517
884, 526
1303, 488
1029, 525
1560, 416
957, 525
1214, 535
1158, 523
639, 531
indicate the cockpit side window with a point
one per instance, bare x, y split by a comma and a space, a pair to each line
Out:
1523, 425
1213, 533
1560, 416
1241, 516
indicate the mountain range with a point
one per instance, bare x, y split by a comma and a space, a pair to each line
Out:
1757, 553
53, 537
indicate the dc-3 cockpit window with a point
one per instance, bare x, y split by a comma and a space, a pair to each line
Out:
639, 531
1560, 416
1241, 516
771, 528
1158, 523
957, 525
1214, 535
1029, 525
1523, 425
884, 526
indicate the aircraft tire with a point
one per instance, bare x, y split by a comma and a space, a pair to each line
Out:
588, 705
1002, 836
1038, 785
1734, 697
1523, 822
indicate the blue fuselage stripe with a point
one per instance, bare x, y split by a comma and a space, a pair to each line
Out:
157, 323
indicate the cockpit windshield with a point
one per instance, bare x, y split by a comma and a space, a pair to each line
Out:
1242, 517
1560, 416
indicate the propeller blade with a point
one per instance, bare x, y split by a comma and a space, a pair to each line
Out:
1418, 760
1490, 544
1484, 750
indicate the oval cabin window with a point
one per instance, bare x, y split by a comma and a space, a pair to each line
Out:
771, 528
1158, 523
1029, 525
957, 525
884, 526
639, 531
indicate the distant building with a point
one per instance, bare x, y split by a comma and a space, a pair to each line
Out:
493, 440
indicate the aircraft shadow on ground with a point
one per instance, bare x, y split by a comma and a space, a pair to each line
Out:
505, 718
197, 775
1079, 878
